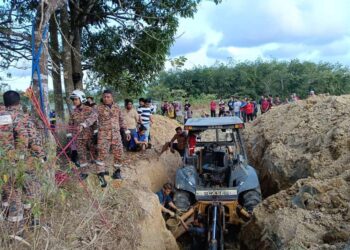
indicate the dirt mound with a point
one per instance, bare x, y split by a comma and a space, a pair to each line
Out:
307, 138
312, 214
302, 149
125, 215
162, 130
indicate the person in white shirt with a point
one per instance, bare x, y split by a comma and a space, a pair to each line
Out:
237, 107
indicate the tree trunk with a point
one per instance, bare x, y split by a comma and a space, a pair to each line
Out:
56, 69
43, 16
41, 90
76, 59
76, 30
66, 55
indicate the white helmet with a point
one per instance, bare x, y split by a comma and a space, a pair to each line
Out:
78, 94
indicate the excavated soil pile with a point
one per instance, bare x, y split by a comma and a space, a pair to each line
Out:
129, 214
302, 153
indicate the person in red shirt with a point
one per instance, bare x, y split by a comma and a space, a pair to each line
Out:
221, 107
265, 106
249, 110
212, 108
192, 139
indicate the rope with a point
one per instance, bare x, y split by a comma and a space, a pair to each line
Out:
40, 109
32, 97
36, 62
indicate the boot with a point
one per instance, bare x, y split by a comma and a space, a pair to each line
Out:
101, 178
116, 174
35, 222
83, 176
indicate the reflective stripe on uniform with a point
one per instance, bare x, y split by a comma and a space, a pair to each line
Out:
83, 165
15, 218
100, 163
27, 206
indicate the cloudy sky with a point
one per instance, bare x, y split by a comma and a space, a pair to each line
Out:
316, 30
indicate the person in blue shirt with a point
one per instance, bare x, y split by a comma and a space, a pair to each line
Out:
138, 140
165, 199
197, 229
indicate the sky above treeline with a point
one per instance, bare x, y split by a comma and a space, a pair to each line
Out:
239, 30
315, 30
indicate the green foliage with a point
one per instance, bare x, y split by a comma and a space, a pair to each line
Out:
256, 78
202, 99
131, 51
178, 62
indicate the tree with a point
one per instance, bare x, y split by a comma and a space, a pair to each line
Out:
43, 15
134, 37
15, 33
256, 78
56, 69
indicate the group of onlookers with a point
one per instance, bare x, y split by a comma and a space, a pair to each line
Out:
247, 109
173, 110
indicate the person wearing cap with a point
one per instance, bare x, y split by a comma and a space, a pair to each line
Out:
111, 123
77, 124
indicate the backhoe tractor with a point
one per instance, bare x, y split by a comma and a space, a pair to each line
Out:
215, 180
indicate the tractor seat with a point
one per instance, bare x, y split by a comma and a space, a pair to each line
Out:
211, 168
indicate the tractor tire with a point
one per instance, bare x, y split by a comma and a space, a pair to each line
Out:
250, 199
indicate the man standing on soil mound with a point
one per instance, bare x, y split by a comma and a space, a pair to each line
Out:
110, 123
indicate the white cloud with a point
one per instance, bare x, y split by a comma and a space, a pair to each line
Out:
248, 29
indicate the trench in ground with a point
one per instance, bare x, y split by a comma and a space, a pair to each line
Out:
166, 172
